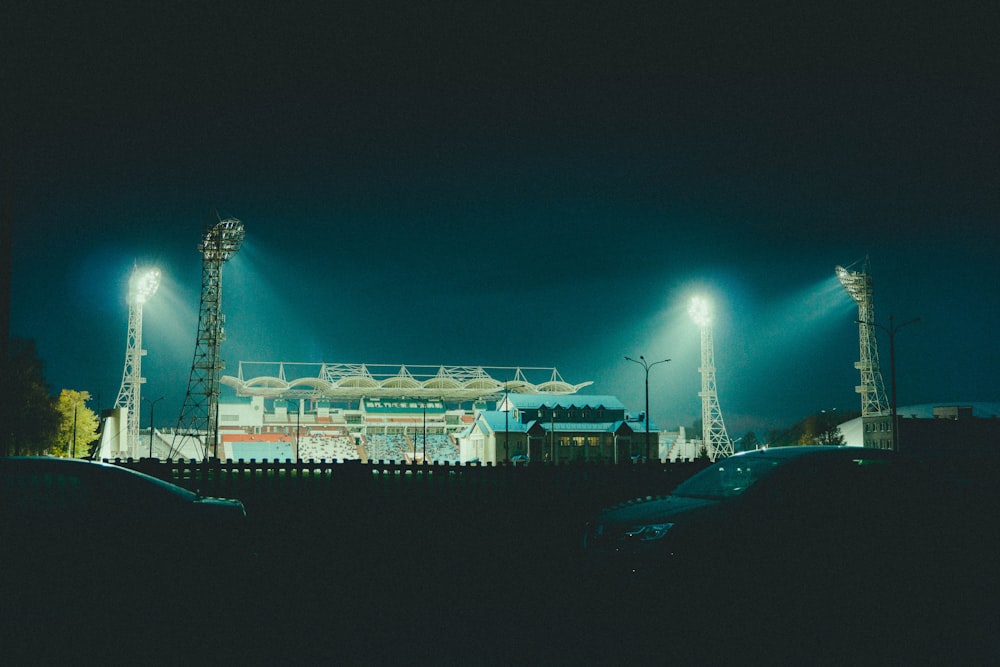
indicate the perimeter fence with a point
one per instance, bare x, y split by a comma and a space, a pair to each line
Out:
585, 485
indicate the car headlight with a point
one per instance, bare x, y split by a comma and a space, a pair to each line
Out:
648, 532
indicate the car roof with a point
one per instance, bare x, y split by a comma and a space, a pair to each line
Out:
90, 468
814, 450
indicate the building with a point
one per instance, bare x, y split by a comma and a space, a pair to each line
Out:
932, 428
951, 430
558, 429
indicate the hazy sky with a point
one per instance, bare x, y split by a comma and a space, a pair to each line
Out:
531, 184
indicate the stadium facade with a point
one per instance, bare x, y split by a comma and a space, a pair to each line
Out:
514, 428
377, 412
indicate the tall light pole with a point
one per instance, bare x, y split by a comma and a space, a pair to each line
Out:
72, 453
891, 330
143, 284
646, 366
713, 427
152, 404
506, 423
200, 414
860, 287
298, 430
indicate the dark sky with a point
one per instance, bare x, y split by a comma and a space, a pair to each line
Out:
527, 184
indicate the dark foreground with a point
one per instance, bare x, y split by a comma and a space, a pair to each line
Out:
406, 578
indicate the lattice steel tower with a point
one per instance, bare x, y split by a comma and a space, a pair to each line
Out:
859, 286
713, 428
142, 284
201, 403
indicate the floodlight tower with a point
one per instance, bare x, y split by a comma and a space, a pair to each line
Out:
859, 286
142, 284
717, 442
201, 403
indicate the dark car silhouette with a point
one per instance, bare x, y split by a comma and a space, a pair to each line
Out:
81, 502
803, 555
793, 505
78, 519
99, 555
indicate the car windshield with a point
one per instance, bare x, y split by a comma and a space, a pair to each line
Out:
728, 478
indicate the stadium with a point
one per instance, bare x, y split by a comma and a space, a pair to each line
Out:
319, 411
376, 412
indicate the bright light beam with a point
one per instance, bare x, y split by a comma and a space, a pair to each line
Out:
700, 311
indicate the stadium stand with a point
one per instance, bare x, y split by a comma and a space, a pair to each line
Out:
328, 448
387, 446
259, 451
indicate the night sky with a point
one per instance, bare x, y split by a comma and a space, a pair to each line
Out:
527, 184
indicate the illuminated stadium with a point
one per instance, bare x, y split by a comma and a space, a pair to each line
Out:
321, 411
374, 412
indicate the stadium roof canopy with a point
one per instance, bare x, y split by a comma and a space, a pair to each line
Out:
356, 381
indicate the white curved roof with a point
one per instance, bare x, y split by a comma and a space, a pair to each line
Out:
356, 381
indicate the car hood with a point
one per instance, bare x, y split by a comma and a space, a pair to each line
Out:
658, 510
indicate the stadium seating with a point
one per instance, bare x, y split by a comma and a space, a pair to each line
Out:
328, 448
261, 451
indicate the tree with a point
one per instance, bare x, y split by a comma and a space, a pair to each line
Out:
827, 428
750, 441
830, 436
28, 416
77, 424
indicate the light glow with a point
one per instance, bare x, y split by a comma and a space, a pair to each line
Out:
854, 282
700, 311
143, 284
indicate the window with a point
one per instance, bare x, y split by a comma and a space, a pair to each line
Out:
44, 492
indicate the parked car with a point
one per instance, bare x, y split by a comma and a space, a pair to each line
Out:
96, 559
794, 506
70, 514
802, 555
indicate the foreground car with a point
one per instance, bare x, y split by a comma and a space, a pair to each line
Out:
804, 555
98, 555
100, 519
794, 505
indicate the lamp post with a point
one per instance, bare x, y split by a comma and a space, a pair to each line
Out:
891, 330
152, 405
506, 423
298, 430
646, 366
72, 453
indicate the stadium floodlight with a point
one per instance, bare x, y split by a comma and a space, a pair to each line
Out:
700, 311
860, 288
714, 434
222, 241
856, 283
199, 415
142, 285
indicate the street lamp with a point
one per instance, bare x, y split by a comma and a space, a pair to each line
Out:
891, 330
506, 423
646, 366
152, 404
72, 453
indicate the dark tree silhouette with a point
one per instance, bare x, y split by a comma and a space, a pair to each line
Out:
29, 420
